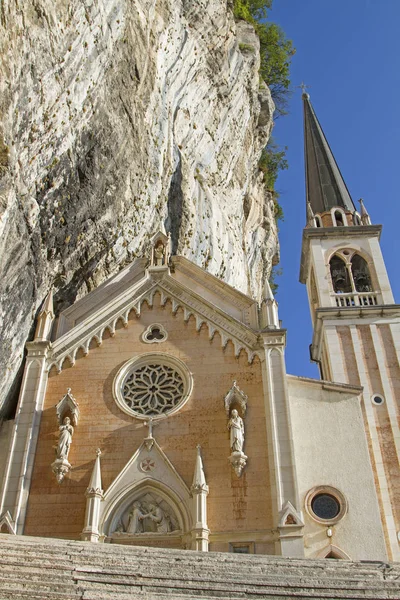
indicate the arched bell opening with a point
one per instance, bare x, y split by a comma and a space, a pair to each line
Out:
361, 275
340, 276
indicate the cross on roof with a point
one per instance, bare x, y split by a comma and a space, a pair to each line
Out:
303, 86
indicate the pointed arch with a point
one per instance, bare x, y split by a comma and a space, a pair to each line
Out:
340, 275
332, 551
361, 274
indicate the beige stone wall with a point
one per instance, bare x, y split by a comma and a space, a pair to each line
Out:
234, 505
334, 452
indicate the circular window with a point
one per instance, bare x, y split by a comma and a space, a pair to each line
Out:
378, 400
326, 504
152, 385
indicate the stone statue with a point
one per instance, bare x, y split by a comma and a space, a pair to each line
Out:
136, 517
236, 427
65, 439
161, 520
159, 255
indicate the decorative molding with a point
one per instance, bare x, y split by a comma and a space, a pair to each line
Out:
229, 329
235, 396
154, 334
238, 461
289, 516
165, 370
60, 467
68, 404
7, 521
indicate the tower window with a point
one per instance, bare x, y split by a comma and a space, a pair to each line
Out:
340, 276
361, 276
339, 218
318, 222
356, 219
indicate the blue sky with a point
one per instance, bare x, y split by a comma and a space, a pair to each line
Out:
348, 53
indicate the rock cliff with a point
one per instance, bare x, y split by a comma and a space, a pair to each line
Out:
117, 116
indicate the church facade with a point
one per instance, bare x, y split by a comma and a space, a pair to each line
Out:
157, 410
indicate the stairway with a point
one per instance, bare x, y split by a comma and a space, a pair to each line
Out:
47, 569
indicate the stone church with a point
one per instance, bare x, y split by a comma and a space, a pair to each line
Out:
157, 410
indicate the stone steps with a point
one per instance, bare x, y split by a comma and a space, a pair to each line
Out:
55, 569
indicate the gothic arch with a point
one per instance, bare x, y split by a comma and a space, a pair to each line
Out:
347, 254
361, 273
340, 276
117, 506
332, 551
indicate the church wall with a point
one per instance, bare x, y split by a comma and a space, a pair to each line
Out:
334, 453
234, 504
6, 428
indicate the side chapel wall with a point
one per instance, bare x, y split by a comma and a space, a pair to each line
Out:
234, 504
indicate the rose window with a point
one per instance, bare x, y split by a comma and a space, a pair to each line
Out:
152, 385
153, 389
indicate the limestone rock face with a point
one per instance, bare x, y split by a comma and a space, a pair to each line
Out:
116, 117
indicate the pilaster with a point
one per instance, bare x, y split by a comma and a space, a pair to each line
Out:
284, 488
18, 471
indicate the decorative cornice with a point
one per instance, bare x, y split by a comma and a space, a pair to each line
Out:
230, 329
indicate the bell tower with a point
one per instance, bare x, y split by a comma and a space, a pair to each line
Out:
356, 324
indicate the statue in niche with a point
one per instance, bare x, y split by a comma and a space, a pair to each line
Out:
65, 439
136, 517
159, 253
236, 427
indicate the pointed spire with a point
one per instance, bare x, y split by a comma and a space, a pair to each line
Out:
268, 295
47, 307
45, 319
94, 487
269, 309
199, 479
325, 186
365, 218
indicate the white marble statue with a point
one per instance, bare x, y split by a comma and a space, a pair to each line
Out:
65, 439
159, 252
136, 517
157, 515
236, 426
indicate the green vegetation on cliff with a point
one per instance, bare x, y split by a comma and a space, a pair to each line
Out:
276, 52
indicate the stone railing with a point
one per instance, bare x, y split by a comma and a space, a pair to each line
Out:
355, 299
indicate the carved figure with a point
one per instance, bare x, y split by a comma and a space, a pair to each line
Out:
159, 251
136, 517
236, 427
157, 515
65, 439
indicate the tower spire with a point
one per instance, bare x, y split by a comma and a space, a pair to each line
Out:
325, 186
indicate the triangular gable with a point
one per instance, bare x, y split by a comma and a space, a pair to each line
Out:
289, 516
7, 523
181, 295
149, 466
